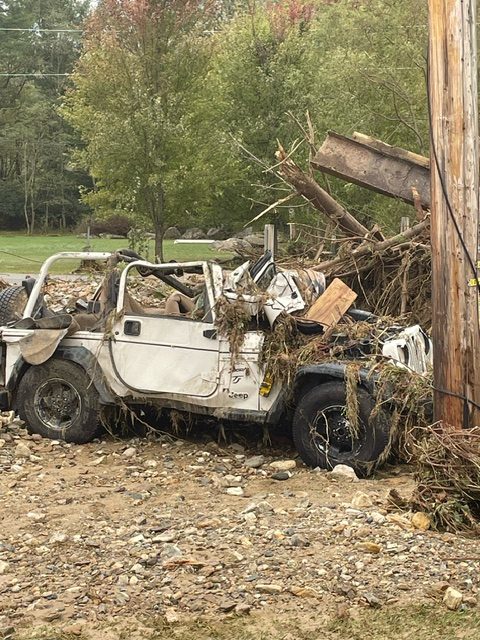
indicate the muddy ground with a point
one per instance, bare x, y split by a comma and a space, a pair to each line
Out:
164, 537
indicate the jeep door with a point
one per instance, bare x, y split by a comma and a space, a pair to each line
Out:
170, 354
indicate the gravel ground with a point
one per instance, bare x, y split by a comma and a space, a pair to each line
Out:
95, 536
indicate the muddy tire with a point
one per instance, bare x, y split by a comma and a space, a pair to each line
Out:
12, 304
324, 437
57, 400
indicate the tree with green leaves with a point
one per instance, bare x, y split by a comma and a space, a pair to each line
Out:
134, 86
36, 181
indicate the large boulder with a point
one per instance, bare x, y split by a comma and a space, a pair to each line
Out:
232, 245
256, 240
172, 233
244, 233
217, 233
194, 234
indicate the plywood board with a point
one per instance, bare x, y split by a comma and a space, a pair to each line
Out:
332, 304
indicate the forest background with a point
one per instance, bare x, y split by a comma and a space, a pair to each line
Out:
154, 110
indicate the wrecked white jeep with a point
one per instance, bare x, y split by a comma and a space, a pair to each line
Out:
60, 370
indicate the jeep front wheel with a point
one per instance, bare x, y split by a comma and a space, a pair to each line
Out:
57, 400
324, 436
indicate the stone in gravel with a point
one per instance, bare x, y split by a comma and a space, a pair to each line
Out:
242, 608
304, 592
452, 599
3, 567
171, 551
271, 589
281, 475
361, 501
343, 471
255, 462
171, 616
299, 541
75, 629
129, 453
36, 516
227, 606
235, 491
421, 521
22, 450
58, 537
369, 547
283, 465
377, 517
250, 517
164, 537
150, 464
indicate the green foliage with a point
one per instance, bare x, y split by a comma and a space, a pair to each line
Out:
35, 178
134, 87
352, 67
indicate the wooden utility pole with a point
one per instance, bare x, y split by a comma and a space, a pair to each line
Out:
455, 210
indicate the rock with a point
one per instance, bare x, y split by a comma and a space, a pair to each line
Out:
369, 547
75, 629
271, 589
452, 599
232, 245
36, 516
255, 462
256, 240
242, 608
377, 517
3, 567
130, 452
299, 541
421, 521
283, 465
361, 501
216, 233
171, 616
194, 234
172, 233
250, 518
171, 551
304, 592
58, 537
227, 606
22, 451
235, 491
281, 475
343, 471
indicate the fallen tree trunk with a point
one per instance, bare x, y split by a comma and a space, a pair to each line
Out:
306, 186
377, 247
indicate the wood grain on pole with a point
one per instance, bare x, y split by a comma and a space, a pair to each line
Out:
454, 141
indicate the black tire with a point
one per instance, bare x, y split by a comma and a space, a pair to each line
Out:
12, 304
308, 327
323, 436
57, 400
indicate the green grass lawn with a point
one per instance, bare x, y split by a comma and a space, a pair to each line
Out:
25, 254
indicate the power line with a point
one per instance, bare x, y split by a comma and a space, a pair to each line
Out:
36, 74
42, 30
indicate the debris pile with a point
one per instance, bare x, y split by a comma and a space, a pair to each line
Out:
448, 476
390, 275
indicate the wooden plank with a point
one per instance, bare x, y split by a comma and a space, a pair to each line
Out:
334, 302
375, 165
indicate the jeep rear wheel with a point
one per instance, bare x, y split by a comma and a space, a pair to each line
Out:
324, 437
57, 400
